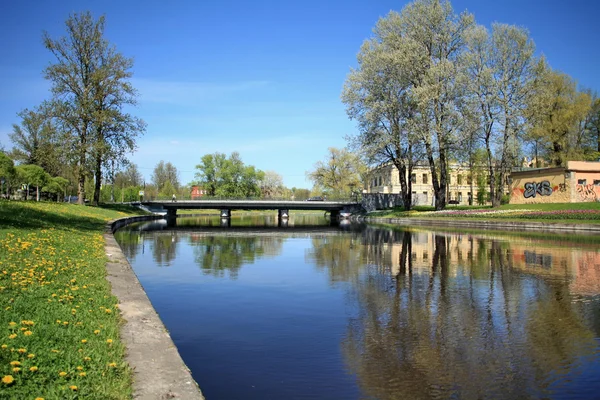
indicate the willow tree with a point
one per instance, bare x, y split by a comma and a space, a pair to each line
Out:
90, 86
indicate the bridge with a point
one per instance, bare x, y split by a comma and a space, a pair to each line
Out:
283, 207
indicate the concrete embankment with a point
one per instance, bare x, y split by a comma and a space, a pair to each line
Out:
159, 371
514, 226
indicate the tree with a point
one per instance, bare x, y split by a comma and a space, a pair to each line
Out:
228, 177
163, 173
32, 175
57, 185
7, 172
340, 173
36, 141
89, 87
129, 177
271, 185
378, 96
500, 72
558, 112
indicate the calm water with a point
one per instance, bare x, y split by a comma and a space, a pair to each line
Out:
310, 311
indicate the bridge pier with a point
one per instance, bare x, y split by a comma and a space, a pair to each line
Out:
283, 214
334, 215
226, 213
225, 222
171, 217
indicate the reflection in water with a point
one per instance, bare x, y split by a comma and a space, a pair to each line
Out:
466, 329
219, 255
424, 314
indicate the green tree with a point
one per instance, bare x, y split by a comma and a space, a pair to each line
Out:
558, 111
89, 87
271, 185
377, 95
57, 185
7, 172
339, 173
500, 70
226, 176
36, 141
32, 175
165, 173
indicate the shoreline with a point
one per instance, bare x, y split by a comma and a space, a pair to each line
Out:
158, 370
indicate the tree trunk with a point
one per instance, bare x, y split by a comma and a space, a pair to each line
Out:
37, 193
98, 179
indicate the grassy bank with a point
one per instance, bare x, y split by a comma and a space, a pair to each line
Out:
570, 213
59, 325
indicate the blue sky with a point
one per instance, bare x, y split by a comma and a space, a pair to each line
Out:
259, 77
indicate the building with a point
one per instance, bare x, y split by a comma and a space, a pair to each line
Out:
578, 182
197, 192
461, 188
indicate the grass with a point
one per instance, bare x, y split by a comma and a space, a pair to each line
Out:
59, 323
571, 213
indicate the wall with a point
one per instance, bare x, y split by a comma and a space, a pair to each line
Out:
380, 201
540, 186
589, 192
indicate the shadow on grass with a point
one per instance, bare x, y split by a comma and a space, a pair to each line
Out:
16, 215
126, 208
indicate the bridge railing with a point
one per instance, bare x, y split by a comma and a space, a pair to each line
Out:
223, 198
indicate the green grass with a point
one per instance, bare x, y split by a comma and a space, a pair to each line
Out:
59, 324
568, 213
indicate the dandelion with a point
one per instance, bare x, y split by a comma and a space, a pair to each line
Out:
15, 363
27, 333
8, 379
16, 369
39, 398
30, 355
73, 387
97, 331
83, 340
62, 374
21, 350
79, 368
4, 346
12, 324
87, 359
82, 374
109, 341
33, 369
12, 336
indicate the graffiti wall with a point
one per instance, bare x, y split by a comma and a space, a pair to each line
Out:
538, 188
587, 186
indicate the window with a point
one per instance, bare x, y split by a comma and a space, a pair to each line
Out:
582, 181
424, 179
425, 196
596, 182
413, 178
459, 198
425, 255
469, 179
459, 179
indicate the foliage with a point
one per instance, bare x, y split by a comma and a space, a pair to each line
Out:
33, 175
228, 177
340, 173
271, 185
90, 86
165, 173
59, 325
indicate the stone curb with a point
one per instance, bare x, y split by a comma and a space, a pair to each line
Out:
496, 225
159, 373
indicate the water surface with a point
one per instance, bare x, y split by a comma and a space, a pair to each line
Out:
311, 311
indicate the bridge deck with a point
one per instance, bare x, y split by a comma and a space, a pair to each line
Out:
251, 205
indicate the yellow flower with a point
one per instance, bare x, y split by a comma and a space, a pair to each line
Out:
82, 374
22, 350
112, 364
62, 374
15, 363
12, 336
4, 346
30, 355
39, 398
79, 368
83, 340
97, 331
33, 369
73, 387
11, 324
109, 341
86, 359
16, 369
28, 333
8, 379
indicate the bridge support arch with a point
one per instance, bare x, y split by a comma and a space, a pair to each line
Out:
283, 214
226, 213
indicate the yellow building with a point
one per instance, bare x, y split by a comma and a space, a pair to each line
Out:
386, 179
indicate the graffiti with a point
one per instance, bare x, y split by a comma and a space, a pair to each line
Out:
587, 192
562, 187
532, 189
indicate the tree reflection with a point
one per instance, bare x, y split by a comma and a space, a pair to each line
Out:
470, 330
164, 247
342, 256
219, 255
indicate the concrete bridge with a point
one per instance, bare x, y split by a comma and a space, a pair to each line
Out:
283, 207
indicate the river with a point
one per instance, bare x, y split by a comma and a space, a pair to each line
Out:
313, 311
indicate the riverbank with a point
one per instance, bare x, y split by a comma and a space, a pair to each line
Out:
61, 331
566, 217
